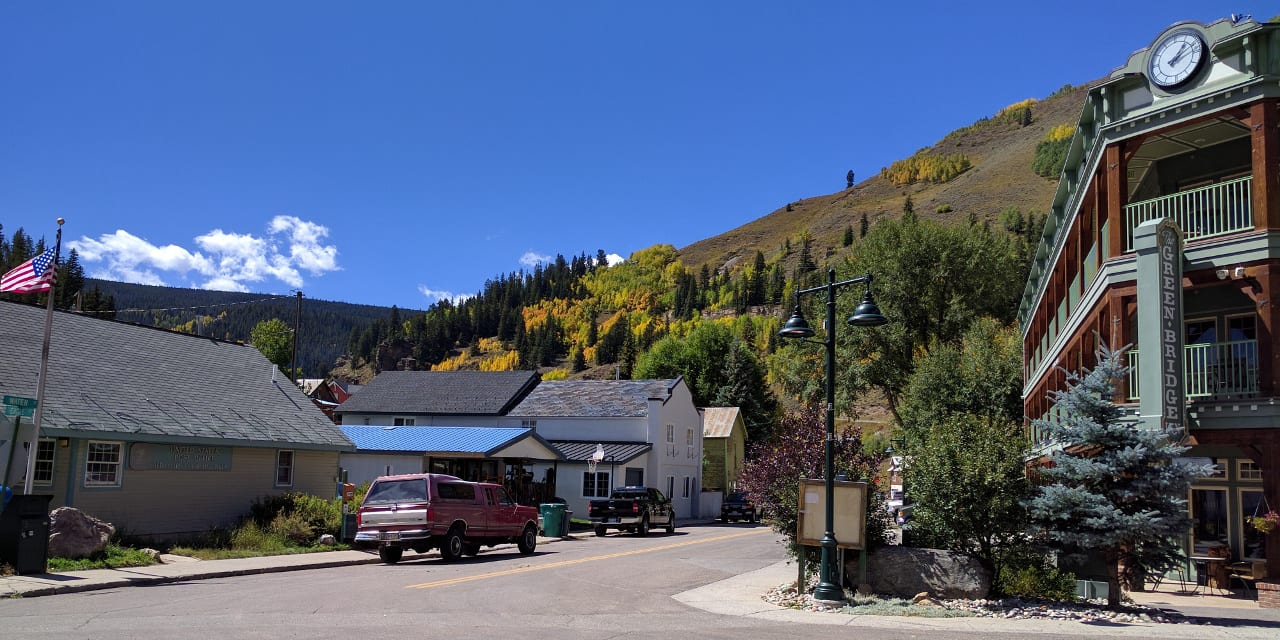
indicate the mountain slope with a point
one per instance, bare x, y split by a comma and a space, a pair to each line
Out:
1001, 177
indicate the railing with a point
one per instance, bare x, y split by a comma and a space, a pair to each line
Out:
1213, 210
1218, 369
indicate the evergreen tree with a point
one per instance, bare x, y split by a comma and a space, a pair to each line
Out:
743, 385
909, 210
848, 236
1118, 490
863, 225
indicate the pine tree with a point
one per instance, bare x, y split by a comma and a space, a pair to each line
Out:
848, 236
1114, 489
863, 226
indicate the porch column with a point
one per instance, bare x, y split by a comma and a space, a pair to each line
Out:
1266, 164
1268, 277
1117, 188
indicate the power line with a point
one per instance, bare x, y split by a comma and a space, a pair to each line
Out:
203, 306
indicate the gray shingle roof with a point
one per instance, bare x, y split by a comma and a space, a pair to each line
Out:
458, 393
482, 440
615, 452
109, 378
593, 398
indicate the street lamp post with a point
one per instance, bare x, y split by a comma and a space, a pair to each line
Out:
867, 314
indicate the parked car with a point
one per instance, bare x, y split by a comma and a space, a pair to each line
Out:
903, 516
633, 509
893, 501
737, 507
425, 511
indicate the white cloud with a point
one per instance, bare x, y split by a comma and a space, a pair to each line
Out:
437, 296
531, 259
225, 262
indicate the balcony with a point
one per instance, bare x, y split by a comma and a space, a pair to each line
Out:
1220, 370
1213, 210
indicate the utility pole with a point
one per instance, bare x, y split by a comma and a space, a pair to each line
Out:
297, 322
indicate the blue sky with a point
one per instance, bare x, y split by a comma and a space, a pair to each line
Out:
396, 152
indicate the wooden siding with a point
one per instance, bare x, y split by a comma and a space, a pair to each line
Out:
174, 503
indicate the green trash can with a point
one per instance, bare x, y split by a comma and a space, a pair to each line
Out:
553, 521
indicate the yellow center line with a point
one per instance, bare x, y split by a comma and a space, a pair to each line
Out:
565, 563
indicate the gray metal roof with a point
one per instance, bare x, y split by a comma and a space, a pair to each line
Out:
615, 452
593, 398
122, 381
456, 393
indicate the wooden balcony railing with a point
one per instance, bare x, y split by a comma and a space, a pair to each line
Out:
1212, 370
1213, 210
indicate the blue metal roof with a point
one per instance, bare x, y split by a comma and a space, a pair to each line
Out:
483, 440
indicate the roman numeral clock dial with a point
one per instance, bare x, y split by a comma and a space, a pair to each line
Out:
1176, 58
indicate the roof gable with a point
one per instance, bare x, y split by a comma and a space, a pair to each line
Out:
109, 378
457, 393
718, 422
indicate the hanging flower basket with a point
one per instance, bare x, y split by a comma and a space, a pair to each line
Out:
1266, 523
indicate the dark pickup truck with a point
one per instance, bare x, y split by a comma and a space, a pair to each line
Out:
634, 509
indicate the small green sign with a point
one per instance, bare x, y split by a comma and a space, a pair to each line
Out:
19, 401
26, 412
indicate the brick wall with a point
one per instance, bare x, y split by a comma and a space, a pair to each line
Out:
1269, 594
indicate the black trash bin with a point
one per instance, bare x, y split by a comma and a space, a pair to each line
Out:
24, 534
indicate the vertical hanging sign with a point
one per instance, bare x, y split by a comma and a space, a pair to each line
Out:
1172, 396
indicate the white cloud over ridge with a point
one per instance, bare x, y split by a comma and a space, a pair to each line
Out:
224, 262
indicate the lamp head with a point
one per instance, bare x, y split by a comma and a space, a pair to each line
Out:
867, 314
796, 326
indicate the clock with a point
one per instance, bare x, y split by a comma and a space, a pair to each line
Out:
1176, 58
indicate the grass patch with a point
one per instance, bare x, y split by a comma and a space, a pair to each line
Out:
877, 606
113, 557
249, 540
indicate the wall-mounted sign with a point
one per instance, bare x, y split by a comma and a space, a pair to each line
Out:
146, 456
1169, 258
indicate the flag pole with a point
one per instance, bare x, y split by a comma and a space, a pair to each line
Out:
44, 370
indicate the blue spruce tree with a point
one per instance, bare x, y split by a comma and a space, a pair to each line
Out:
1113, 489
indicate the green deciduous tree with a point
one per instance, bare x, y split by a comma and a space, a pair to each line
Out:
1114, 489
274, 339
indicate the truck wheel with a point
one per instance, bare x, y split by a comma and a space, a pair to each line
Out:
671, 524
601, 530
642, 529
390, 555
528, 540
453, 545
471, 548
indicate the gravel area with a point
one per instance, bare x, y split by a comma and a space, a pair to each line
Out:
785, 595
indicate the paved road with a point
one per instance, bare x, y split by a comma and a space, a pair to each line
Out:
620, 586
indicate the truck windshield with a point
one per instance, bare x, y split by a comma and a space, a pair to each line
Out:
629, 495
391, 491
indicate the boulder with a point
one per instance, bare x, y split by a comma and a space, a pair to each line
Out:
72, 534
905, 572
328, 540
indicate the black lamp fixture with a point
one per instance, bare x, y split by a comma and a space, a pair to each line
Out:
867, 314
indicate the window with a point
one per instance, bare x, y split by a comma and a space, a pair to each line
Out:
1209, 514
284, 468
688, 441
671, 440
595, 485
1247, 470
688, 482
635, 477
102, 463
402, 422
529, 424
671, 485
456, 491
44, 462
1255, 542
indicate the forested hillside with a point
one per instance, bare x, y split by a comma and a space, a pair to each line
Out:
946, 231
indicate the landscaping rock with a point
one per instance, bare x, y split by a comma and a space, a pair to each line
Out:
328, 540
73, 534
906, 572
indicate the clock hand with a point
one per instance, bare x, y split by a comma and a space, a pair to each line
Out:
1178, 56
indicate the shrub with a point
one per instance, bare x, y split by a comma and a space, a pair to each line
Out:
251, 537
293, 527
1036, 581
944, 208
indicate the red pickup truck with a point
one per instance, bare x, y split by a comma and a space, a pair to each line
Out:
425, 511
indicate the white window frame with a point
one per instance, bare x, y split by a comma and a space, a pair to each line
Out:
403, 421
281, 466
95, 469
688, 440
688, 483
46, 454
591, 484
671, 485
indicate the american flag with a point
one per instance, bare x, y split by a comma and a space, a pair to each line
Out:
33, 276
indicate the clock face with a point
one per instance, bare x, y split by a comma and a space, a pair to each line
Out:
1176, 58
